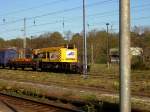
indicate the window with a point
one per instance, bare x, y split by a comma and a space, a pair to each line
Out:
44, 55
48, 56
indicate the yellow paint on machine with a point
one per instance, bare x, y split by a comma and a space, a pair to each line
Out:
69, 55
59, 54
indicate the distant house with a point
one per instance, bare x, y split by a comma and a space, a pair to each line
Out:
136, 51
114, 53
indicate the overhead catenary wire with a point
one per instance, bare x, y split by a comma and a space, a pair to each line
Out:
58, 12
34, 7
71, 9
93, 24
71, 19
31, 26
101, 14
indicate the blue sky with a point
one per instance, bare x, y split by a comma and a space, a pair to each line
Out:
54, 11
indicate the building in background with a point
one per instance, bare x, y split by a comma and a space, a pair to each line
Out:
114, 53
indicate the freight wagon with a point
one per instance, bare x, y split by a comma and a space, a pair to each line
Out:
6, 55
53, 58
23, 60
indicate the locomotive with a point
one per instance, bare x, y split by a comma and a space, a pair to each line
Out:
61, 59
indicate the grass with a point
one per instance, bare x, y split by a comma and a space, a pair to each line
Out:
100, 77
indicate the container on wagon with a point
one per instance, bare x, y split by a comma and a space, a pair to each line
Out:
6, 55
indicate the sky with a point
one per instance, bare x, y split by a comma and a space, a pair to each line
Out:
49, 15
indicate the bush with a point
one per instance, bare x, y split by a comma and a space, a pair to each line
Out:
137, 63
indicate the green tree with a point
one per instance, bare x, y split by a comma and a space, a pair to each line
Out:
2, 42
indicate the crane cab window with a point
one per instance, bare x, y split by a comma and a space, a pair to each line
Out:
44, 55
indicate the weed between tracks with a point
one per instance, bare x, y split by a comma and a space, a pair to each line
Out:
36, 95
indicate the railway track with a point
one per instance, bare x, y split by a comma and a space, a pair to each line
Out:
17, 104
92, 88
79, 87
96, 88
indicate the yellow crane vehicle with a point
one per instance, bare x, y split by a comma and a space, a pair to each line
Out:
61, 59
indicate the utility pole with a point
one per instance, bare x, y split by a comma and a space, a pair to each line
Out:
24, 35
125, 62
63, 24
108, 63
31, 42
92, 54
84, 43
